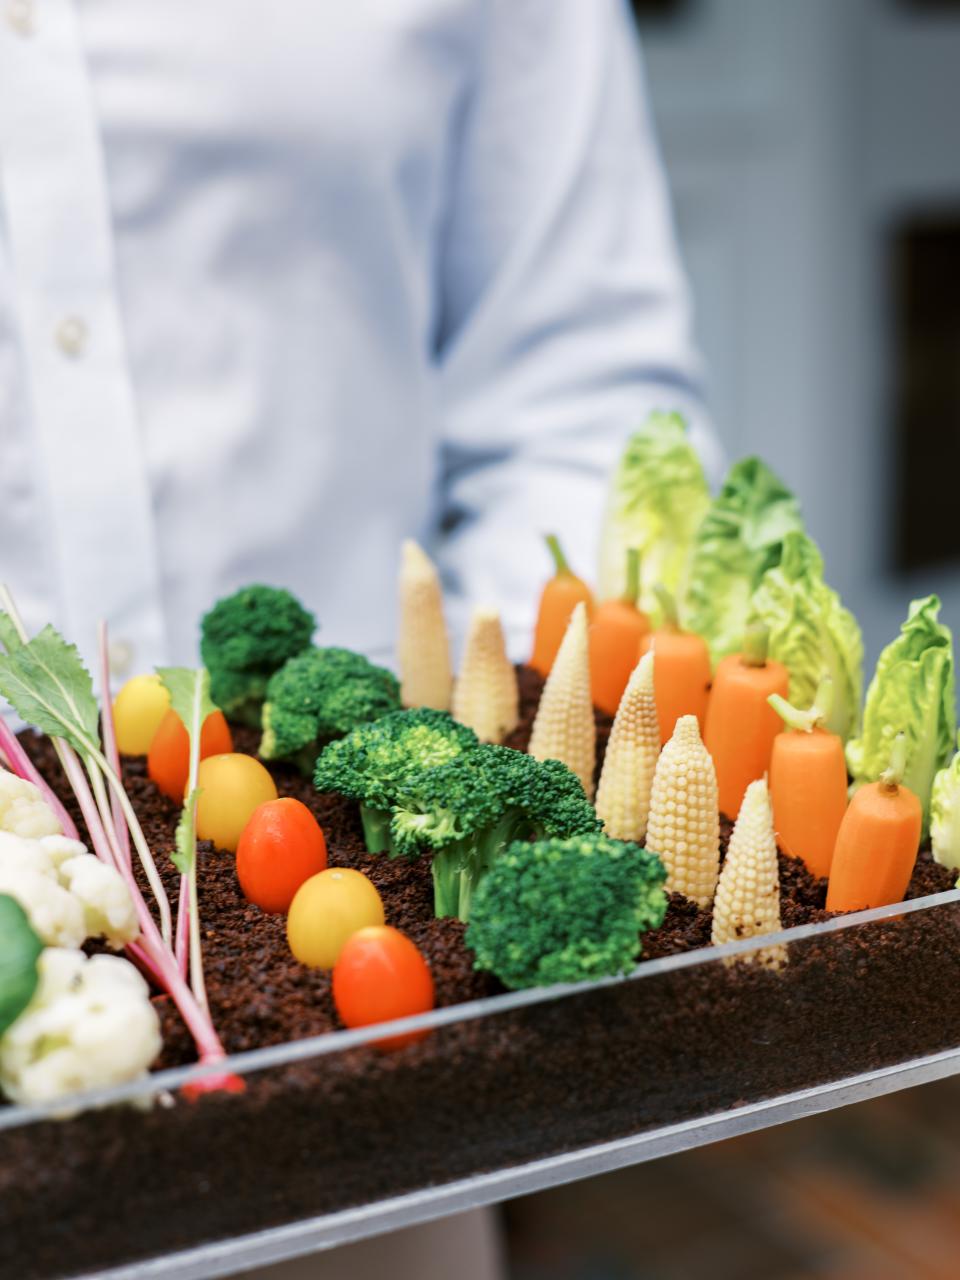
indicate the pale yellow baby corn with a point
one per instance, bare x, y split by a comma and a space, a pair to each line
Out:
623, 796
485, 697
684, 823
423, 650
747, 903
564, 728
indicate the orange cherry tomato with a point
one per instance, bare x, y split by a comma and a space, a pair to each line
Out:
380, 975
168, 760
282, 846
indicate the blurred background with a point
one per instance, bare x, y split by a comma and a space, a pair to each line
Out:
812, 153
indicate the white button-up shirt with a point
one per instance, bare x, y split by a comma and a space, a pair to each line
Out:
283, 282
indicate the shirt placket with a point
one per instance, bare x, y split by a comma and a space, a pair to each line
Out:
96, 494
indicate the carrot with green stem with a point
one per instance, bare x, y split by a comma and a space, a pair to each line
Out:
560, 597
616, 631
808, 781
878, 841
741, 726
681, 668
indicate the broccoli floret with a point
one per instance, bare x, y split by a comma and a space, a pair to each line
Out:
565, 910
244, 639
466, 812
373, 762
322, 694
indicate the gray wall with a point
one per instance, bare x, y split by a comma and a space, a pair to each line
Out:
794, 131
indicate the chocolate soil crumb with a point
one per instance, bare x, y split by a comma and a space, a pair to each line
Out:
352, 1126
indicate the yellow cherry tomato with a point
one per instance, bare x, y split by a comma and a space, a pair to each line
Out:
137, 711
231, 786
326, 910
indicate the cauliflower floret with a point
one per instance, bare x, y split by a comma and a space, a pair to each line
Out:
55, 915
107, 905
90, 1024
59, 848
68, 894
23, 810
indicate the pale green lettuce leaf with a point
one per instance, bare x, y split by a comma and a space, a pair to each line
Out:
658, 497
811, 632
912, 691
739, 540
945, 815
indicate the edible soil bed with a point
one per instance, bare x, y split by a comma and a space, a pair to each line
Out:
359, 1125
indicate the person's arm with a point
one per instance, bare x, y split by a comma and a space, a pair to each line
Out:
564, 314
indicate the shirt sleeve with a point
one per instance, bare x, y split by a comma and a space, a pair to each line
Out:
564, 314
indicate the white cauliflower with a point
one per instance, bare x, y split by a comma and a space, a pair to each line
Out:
27, 876
89, 1025
67, 893
107, 906
23, 810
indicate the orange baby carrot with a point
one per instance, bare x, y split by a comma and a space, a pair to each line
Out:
615, 634
741, 725
878, 841
808, 782
681, 669
560, 597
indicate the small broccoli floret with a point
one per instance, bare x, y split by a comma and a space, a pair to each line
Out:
245, 638
565, 910
322, 694
469, 810
374, 761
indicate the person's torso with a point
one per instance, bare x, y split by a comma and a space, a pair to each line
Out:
271, 179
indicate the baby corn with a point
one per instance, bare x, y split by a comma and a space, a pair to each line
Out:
684, 823
485, 697
747, 903
423, 648
564, 728
623, 796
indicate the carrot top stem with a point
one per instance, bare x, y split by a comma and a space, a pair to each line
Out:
806, 721
556, 551
892, 776
632, 593
668, 606
756, 645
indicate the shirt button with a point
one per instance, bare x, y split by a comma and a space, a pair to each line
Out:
20, 16
72, 336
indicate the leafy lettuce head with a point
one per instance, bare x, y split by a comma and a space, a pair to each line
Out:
741, 537
945, 815
811, 632
912, 691
657, 499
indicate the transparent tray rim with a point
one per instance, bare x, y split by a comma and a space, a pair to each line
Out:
225, 1257
293, 1051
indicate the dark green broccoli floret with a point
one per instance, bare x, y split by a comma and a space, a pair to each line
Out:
426, 785
565, 910
322, 694
244, 639
373, 762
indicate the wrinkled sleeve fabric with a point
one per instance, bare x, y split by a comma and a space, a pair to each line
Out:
563, 309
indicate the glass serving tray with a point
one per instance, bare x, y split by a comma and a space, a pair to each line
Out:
335, 1139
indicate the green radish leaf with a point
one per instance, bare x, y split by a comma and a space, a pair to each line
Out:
47, 685
185, 854
189, 695
20, 950
190, 698
9, 636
